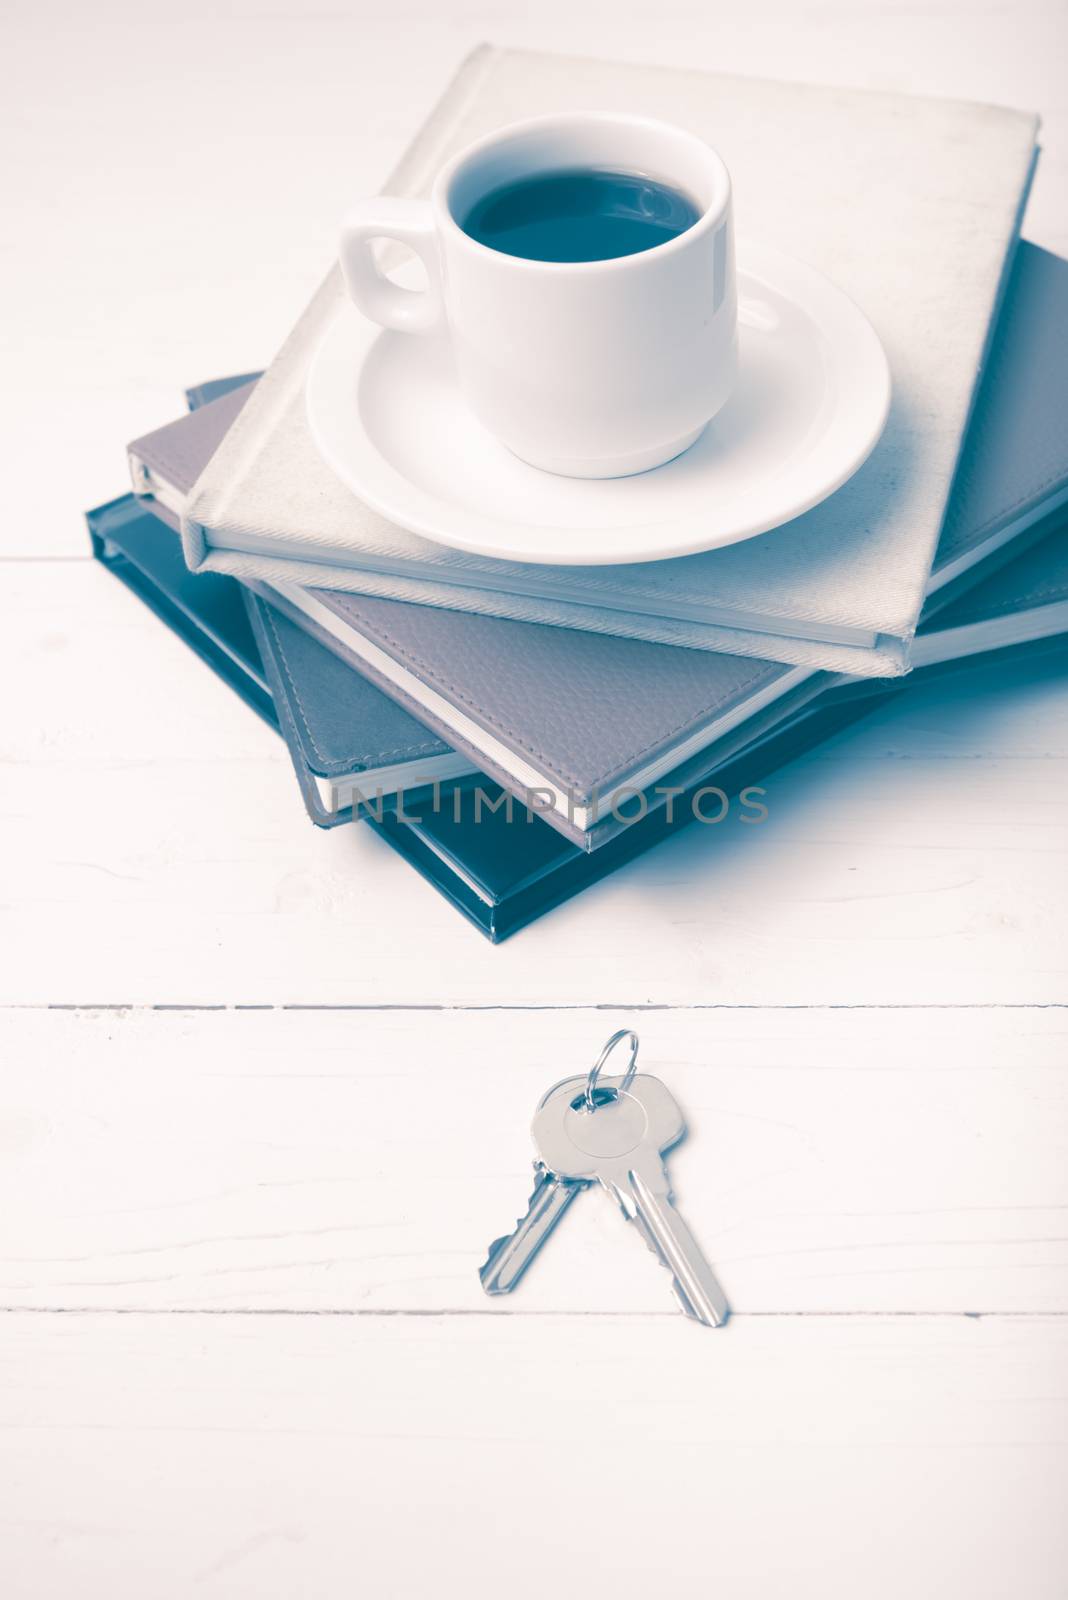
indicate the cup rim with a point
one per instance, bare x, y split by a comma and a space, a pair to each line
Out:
709, 220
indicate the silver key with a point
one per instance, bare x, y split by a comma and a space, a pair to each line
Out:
510, 1256
621, 1143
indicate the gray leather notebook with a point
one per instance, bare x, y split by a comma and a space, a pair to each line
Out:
349, 740
575, 724
910, 205
352, 746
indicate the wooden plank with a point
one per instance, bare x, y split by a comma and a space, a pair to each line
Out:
839, 1161
160, 852
267, 1457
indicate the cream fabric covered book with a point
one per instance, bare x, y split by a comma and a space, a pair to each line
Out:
912, 206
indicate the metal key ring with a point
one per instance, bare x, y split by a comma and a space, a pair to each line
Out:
595, 1071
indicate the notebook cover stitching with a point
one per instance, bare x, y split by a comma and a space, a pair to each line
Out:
511, 733
1007, 511
1033, 599
391, 754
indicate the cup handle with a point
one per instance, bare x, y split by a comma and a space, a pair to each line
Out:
411, 223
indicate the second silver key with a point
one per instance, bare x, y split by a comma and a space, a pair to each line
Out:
511, 1255
621, 1142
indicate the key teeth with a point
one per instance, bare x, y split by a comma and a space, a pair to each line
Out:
494, 1250
511, 1254
506, 1238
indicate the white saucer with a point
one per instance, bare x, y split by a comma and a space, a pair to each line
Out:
812, 398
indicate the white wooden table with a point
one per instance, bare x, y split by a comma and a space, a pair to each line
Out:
265, 1098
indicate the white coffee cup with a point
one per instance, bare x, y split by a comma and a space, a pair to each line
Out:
592, 369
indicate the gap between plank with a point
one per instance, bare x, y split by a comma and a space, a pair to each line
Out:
447, 1311
605, 1005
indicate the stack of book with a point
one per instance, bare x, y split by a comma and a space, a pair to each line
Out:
517, 731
